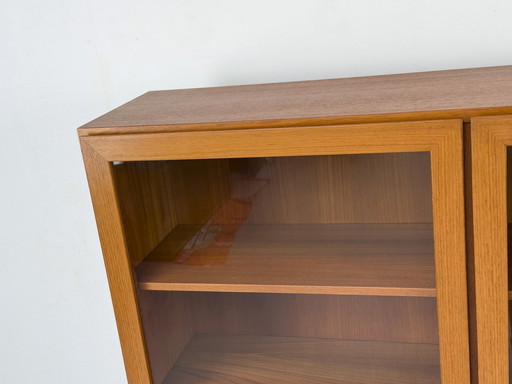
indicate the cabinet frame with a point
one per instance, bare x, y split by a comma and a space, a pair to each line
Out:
441, 138
490, 137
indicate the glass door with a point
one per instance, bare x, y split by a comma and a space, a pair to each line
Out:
328, 254
316, 269
491, 215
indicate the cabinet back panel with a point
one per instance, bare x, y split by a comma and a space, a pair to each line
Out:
170, 319
146, 201
377, 188
156, 196
410, 319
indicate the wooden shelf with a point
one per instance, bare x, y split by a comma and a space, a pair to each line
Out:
343, 259
283, 360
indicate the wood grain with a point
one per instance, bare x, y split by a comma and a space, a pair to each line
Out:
118, 265
489, 138
376, 318
146, 203
450, 255
167, 329
170, 319
365, 259
417, 136
199, 188
155, 196
376, 188
379, 188
284, 360
417, 96
468, 185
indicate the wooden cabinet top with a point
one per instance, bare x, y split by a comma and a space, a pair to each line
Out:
416, 96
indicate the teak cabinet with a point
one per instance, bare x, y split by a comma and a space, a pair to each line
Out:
334, 231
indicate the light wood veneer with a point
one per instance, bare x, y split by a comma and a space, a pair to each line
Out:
490, 138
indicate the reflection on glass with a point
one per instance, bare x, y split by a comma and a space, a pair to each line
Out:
314, 269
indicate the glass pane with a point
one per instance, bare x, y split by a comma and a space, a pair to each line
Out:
314, 269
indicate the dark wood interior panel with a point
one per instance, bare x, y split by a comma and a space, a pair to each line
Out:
199, 188
408, 319
147, 207
170, 319
155, 196
167, 329
376, 188
243, 359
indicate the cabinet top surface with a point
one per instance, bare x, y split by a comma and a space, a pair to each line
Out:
425, 95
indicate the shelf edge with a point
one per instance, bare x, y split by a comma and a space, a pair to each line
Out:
296, 289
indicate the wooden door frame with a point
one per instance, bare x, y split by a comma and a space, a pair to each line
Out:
442, 138
490, 137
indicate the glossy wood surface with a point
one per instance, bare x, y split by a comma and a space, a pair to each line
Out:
489, 140
349, 259
416, 96
285, 360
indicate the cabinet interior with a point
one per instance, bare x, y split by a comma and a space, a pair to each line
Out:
323, 263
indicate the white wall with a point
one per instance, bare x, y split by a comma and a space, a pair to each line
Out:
65, 62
